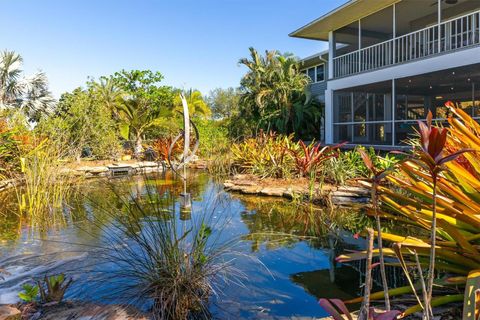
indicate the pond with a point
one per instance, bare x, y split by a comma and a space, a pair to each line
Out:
285, 252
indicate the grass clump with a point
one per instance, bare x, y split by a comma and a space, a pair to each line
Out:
162, 260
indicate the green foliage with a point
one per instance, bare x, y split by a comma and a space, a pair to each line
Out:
197, 106
9, 150
213, 138
224, 103
56, 286
142, 103
81, 121
29, 94
172, 265
349, 165
267, 155
273, 95
29, 293
42, 195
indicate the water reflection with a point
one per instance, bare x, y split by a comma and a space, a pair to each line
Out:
296, 244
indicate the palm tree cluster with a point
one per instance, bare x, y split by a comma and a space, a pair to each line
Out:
274, 93
28, 93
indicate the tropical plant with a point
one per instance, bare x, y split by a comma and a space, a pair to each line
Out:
82, 121
267, 155
197, 106
376, 178
309, 158
272, 90
162, 145
144, 101
29, 293
28, 93
56, 286
438, 182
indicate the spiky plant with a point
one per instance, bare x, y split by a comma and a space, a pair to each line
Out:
156, 258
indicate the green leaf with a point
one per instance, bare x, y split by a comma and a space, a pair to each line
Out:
124, 130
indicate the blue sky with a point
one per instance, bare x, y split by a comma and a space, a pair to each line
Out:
193, 43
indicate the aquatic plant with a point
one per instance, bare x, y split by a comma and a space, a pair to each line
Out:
53, 288
45, 188
29, 293
161, 258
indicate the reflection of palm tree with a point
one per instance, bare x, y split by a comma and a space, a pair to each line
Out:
29, 94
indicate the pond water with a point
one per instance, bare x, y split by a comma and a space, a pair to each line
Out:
286, 250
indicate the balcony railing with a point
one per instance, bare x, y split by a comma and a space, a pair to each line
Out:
448, 36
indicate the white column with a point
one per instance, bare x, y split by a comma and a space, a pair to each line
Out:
394, 45
328, 116
439, 20
394, 104
331, 53
359, 45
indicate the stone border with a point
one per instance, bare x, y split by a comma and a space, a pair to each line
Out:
324, 193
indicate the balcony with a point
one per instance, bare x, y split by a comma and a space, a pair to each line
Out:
448, 36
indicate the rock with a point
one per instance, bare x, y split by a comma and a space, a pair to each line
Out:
250, 189
84, 311
96, 170
147, 164
9, 313
273, 191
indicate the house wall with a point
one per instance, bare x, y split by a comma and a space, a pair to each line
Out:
459, 58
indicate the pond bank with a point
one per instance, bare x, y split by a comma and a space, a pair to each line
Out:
70, 310
298, 188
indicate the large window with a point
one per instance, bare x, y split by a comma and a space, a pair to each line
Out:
363, 115
316, 73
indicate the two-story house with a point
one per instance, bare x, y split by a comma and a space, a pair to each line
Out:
391, 61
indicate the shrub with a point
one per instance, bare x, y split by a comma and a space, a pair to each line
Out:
153, 259
267, 155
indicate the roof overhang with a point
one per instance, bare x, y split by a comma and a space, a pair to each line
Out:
351, 11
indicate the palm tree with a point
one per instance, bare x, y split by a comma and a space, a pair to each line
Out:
197, 106
108, 92
271, 85
135, 116
28, 93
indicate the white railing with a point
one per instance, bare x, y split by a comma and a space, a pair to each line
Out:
449, 35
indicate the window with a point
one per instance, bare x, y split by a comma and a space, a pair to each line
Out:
316, 73
320, 73
311, 74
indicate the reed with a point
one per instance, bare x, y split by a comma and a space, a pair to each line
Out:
41, 196
160, 258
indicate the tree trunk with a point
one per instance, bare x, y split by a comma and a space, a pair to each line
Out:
138, 147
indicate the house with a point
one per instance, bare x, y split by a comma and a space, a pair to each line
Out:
391, 61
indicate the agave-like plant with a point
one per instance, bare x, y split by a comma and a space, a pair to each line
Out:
432, 156
439, 186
